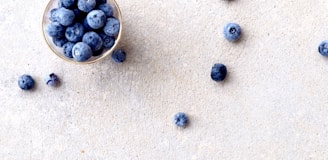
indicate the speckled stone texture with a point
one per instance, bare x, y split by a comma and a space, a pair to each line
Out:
273, 104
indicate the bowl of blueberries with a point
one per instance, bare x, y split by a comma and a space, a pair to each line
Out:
82, 31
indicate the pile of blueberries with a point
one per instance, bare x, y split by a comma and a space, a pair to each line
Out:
83, 28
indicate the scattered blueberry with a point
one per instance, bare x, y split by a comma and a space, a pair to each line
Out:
96, 19
86, 5
108, 41
66, 3
25, 82
93, 40
52, 80
74, 33
118, 56
81, 52
59, 42
219, 72
107, 9
64, 16
67, 49
112, 27
54, 29
232, 32
323, 48
180, 119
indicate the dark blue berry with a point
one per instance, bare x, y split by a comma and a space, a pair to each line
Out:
112, 27
323, 48
53, 16
59, 42
64, 16
96, 19
86, 5
180, 119
66, 3
118, 56
108, 41
107, 9
93, 40
219, 72
52, 80
81, 52
25, 82
232, 32
74, 33
67, 49
56, 30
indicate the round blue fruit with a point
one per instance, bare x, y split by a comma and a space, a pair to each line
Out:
93, 40
25, 82
323, 48
112, 27
107, 9
180, 119
218, 72
67, 49
86, 5
96, 19
56, 30
64, 16
59, 42
232, 32
108, 41
75, 32
118, 56
81, 52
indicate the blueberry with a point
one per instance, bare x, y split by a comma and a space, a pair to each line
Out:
180, 119
64, 16
96, 19
86, 25
219, 72
25, 82
66, 3
93, 40
108, 41
81, 52
56, 30
53, 15
98, 53
59, 42
112, 27
118, 56
323, 48
67, 49
107, 9
86, 5
232, 32
74, 33
52, 80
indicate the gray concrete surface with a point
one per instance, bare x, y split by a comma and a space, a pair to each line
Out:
273, 104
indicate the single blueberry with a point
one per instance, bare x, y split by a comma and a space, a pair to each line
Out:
86, 5
107, 9
75, 32
118, 56
96, 19
232, 32
53, 15
81, 52
93, 40
52, 80
323, 48
56, 30
64, 16
112, 27
108, 41
67, 49
98, 53
66, 3
180, 119
25, 82
218, 72
59, 42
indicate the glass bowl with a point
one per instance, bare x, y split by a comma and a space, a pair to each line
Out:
59, 51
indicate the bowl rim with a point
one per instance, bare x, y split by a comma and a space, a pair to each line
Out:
103, 56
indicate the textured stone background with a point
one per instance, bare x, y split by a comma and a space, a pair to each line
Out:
273, 104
